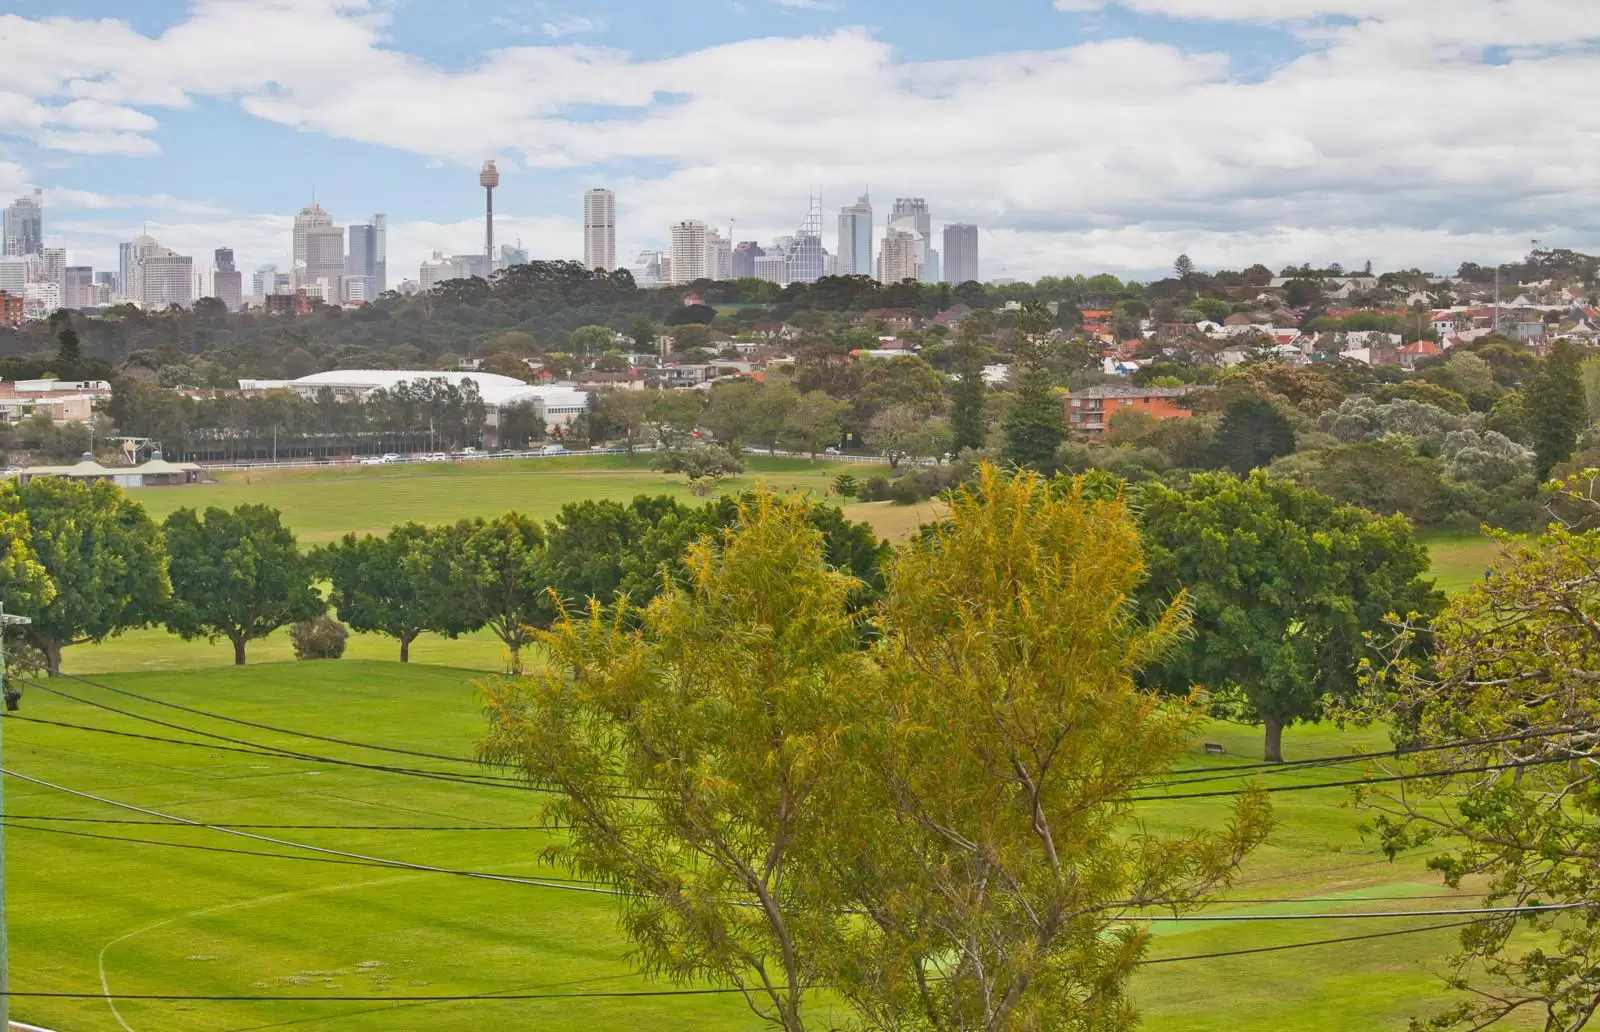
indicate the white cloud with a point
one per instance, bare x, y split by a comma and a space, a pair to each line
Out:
572, 25
1391, 135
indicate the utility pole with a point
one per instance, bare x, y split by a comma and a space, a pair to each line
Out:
12, 697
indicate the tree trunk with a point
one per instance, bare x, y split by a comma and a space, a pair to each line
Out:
238, 651
1274, 737
405, 648
52, 656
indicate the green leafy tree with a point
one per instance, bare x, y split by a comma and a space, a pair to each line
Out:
620, 414
104, 556
901, 432
1251, 433
702, 464
499, 579
1284, 586
237, 575
591, 341
969, 414
25, 585
1555, 410
1512, 691
969, 865
398, 585
815, 422
745, 671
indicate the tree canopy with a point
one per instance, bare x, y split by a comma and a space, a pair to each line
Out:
238, 575
1284, 586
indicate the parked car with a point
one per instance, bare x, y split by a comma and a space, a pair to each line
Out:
437, 456
468, 453
390, 457
372, 460
830, 450
553, 449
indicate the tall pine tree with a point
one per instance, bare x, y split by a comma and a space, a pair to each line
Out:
1556, 411
969, 422
1035, 424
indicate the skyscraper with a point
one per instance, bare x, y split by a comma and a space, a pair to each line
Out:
53, 266
319, 264
78, 288
805, 253
902, 249
855, 239
160, 277
129, 255
365, 262
600, 229
264, 281
688, 251
961, 253
719, 256
744, 259
914, 210
227, 282
311, 217
488, 178
22, 226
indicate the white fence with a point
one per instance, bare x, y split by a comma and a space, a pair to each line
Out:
413, 460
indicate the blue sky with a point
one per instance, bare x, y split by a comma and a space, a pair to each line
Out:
1080, 134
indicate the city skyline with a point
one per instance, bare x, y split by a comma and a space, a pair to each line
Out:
1222, 130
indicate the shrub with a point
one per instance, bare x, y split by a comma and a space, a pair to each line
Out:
876, 489
322, 638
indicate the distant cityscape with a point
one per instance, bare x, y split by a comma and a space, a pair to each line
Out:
348, 265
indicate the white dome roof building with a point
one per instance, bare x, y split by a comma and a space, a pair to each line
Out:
556, 405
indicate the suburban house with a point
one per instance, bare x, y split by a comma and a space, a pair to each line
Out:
1090, 410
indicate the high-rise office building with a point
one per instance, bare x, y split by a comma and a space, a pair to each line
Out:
688, 251
22, 225
902, 248
719, 256
744, 259
807, 256
14, 274
511, 256
108, 280
227, 282
855, 239
773, 267
160, 277
319, 253
911, 214
961, 253
77, 289
915, 208
311, 217
369, 258
53, 266
600, 229
264, 280
647, 269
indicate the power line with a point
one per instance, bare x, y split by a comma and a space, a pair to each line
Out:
1305, 945
1385, 779
323, 850
269, 727
480, 780
1222, 771
284, 827
629, 994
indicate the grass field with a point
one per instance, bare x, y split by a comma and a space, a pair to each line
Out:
323, 504
153, 919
